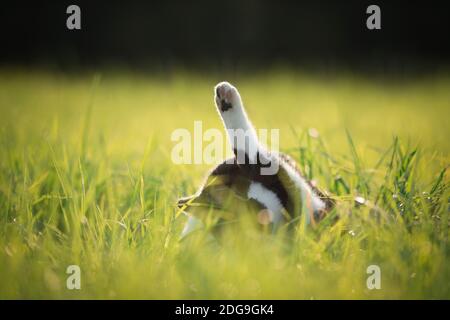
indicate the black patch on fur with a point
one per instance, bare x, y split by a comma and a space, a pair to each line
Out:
182, 201
224, 106
253, 172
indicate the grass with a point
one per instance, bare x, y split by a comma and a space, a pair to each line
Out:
86, 179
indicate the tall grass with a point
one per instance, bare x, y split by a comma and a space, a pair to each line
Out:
86, 179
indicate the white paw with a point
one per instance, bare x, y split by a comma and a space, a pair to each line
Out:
226, 96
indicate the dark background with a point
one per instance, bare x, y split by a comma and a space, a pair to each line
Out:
215, 34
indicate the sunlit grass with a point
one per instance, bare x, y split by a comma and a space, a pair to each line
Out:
86, 178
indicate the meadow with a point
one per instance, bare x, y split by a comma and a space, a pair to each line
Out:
86, 178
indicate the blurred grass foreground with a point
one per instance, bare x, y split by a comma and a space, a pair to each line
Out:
86, 179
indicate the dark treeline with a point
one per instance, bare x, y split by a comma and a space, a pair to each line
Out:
414, 34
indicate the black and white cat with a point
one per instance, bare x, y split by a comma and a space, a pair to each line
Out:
246, 177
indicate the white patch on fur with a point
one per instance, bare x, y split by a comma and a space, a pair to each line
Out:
268, 199
191, 225
307, 194
237, 123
